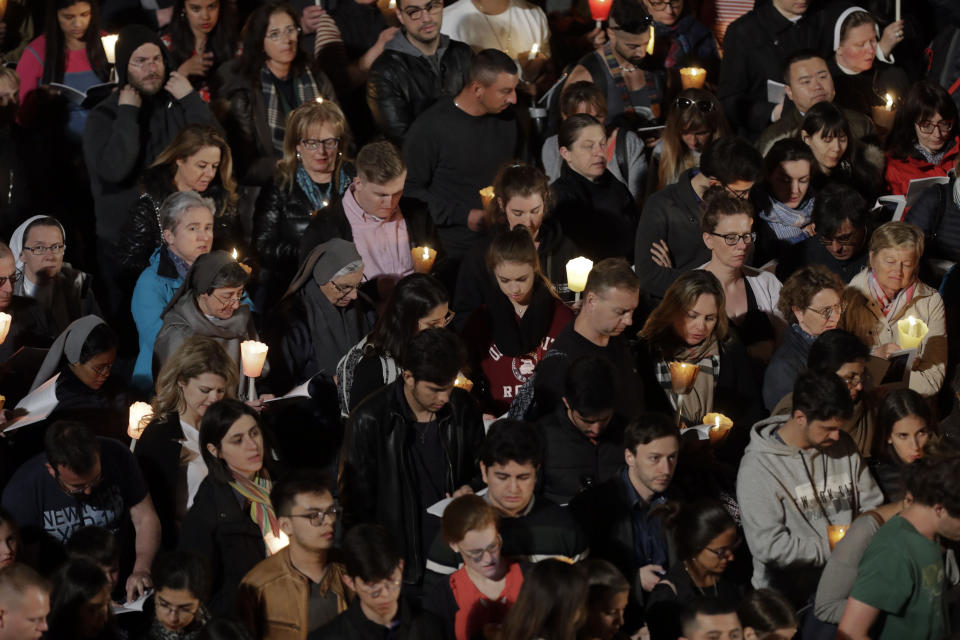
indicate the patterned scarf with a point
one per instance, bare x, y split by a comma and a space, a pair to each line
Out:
318, 197
788, 223
932, 158
179, 263
257, 493
699, 401
890, 307
305, 89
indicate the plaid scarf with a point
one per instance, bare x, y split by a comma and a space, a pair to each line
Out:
257, 492
890, 307
305, 89
787, 223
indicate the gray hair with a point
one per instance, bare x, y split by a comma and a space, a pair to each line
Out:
353, 267
176, 203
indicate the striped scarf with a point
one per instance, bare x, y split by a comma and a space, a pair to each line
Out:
305, 89
890, 307
788, 223
257, 492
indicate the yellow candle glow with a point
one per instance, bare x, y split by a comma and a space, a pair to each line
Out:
577, 271
693, 77
463, 382
5, 320
535, 49
140, 415
884, 115
912, 331
252, 355
486, 196
835, 533
423, 258
319, 100
683, 375
650, 44
109, 46
721, 426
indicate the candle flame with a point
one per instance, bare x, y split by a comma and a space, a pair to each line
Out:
535, 49
393, 4
650, 44
426, 253
716, 422
234, 254
889, 99
319, 100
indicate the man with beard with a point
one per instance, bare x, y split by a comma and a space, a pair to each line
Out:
801, 473
417, 66
127, 131
633, 92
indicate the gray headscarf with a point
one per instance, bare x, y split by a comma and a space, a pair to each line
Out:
70, 344
201, 276
323, 262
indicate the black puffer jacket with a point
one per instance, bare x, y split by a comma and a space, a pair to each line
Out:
403, 82
379, 482
142, 234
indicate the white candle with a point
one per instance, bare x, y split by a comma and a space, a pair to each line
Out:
5, 320
110, 47
252, 355
577, 271
140, 414
897, 19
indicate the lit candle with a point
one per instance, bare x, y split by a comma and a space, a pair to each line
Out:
912, 331
486, 196
109, 45
578, 270
275, 543
463, 382
683, 375
5, 320
319, 100
252, 355
650, 44
884, 115
140, 415
721, 426
600, 10
693, 77
423, 258
835, 533
234, 254
534, 50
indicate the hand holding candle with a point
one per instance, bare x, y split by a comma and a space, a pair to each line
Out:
721, 426
600, 10
884, 115
911, 330
423, 258
140, 415
835, 533
252, 355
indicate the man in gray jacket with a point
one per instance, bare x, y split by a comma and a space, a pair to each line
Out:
799, 474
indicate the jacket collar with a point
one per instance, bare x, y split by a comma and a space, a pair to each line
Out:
165, 266
401, 408
860, 282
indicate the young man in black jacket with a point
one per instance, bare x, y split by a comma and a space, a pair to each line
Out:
374, 571
410, 445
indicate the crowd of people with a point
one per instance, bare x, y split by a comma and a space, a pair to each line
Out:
498, 319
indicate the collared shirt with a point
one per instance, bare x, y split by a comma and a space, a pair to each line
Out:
649, 543
383, 243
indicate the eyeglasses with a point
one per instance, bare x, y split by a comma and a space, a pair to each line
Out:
476, 555
79, 490
39, 250
14, 278
944, 127
660, 4
415, 13
706, 106
229, 300
846, 240
286, 34
102, 371
343, 289
376, 590
173, 609
855, 380
140, 63
827, 312
437, 324
731, 239
328, 144
723, 552
741, 194
317, 518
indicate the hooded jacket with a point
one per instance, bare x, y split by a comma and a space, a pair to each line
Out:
784, 523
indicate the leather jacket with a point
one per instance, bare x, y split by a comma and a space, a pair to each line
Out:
378, 479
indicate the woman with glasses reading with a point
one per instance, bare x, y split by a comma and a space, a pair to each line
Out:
475, 599
38, 245
888, 291
175, 611
706, 538
922, 143
812, 302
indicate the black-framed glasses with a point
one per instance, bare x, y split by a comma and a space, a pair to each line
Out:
39, 250
476, 555
343, 289
438, 324
723, 552
230, 300
731, 239
14, 278
944, 127
415, 13
78, 490
317, 518
328, 144
287, 33
845, 240
705, 106
741, 194
827, 312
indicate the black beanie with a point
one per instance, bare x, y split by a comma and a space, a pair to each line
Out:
129, 39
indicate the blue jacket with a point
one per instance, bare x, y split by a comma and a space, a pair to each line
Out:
155, 288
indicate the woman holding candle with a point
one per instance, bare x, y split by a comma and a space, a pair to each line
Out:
321, 316
201, 37
695, 119
231, 522
863, 65
198, 374
197, 160
690, 325
889, 291
905, 425
588, 201
923, 141
812, 302
705, 538
418, 302
312, 175
513, 331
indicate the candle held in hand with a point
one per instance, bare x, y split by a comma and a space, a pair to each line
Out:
884, 115
835, 533
109, 47
693, 77
683, 375
252, 355
600, 10
486, 196
139, 418
911, 330
463, 382
577, 271
423, 258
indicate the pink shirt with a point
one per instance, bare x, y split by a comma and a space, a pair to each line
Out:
382, 243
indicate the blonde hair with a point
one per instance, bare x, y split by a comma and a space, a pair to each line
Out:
679, 298
299, 122
675, 156
896, 234
196, 356
192, 139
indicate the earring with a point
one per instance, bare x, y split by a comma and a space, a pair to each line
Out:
298, 155
183, 15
